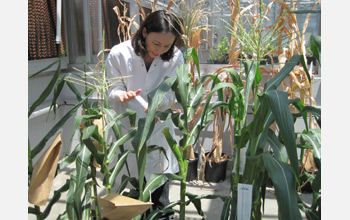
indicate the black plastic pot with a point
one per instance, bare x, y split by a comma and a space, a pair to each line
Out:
192, 169
311, 59
215, 172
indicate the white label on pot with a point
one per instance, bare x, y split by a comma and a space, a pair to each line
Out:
244, 201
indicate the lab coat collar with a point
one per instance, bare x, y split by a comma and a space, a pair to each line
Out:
140, 59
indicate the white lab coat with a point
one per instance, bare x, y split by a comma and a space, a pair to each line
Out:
123, 62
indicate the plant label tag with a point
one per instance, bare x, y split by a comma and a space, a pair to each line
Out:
244, 201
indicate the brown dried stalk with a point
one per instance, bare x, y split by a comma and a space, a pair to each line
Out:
169, 5
143, 14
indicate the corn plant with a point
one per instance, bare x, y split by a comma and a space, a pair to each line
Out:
190, 99
248, 31
251, 31
92, 150
193, 16
281, 163
298, 85
310, 141
56, 84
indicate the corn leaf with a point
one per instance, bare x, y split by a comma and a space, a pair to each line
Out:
194, 99
305, 11
181, 88
254, 166
56, 196
113, 118
115, 171
173, 146
316, 112
47, 91
77, 185
234, 193
78, 120
88, 133
225, 212
86, 212
57, 91
74, 90
70, 158
196, 200
313, 137
275, 82
193, 53
316, 184
70, 205
115, 146
279, 105
279, 150
116, 125
49, 66
114, 122
55, 128
124, 183
251, 69
156, 180
285, 185
262, 120
82, 165
146, 126
315, 43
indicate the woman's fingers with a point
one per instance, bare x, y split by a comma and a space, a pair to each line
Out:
127, 96
131, 94
123, 96
138, 91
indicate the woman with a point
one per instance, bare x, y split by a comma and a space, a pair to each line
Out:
145, 61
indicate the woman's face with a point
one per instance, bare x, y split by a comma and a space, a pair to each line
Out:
157, 43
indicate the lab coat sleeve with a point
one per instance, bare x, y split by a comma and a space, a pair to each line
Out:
115, 76
169, 97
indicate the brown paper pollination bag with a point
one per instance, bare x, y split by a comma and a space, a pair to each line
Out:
118, 207
44, 173
308, 160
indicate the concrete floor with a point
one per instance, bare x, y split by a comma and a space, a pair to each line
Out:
211, 207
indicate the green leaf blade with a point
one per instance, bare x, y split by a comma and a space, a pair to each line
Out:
285, 185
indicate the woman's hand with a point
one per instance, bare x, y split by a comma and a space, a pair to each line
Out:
127, 96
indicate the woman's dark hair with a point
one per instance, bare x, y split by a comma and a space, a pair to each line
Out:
160, 21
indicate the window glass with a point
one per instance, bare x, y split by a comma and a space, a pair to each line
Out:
75, 31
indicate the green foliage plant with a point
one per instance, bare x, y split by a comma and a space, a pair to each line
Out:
310, 140
82, 184
190, 99
54, 85
86, 152
281, 163
256, 38
222, 50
